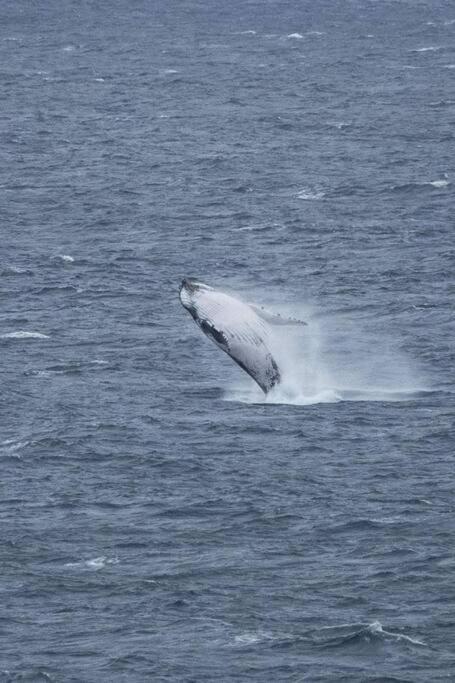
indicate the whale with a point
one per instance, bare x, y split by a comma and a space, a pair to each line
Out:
242, 330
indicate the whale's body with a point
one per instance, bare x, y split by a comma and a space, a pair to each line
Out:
241, 330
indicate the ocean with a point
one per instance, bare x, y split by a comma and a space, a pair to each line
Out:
162, 520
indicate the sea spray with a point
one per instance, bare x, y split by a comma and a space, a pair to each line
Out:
336, 357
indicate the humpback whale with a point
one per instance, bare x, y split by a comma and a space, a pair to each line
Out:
242, 330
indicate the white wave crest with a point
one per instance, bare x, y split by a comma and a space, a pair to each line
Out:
430, 48
376, 627
94, 563
308, 194
21, 334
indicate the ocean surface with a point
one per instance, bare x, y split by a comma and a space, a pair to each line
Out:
161, 520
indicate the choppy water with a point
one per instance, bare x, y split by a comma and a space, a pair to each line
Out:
160, 520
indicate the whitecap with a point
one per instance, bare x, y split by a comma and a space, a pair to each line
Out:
376, 627
308, 194
347, 631
247, 639
93, 563
66, 258
10, 447
253, 638
21, 334
69, 48
339, 124
439, 183
170, 71
295, 36
99, 80
315, 33
247, 33
430, 48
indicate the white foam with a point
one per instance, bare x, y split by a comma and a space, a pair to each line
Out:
376, 627
94, 563
373, 628
253, 638
439, 183
295, 36
339, 124
10, 447
21, 334
430, 48
308, 195
247, 639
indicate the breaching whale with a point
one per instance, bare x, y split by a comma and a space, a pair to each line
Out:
243, 331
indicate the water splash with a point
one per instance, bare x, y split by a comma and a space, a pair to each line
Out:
335, 358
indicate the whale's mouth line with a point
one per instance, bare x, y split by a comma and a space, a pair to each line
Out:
192, 285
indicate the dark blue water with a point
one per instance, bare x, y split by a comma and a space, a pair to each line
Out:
160, 521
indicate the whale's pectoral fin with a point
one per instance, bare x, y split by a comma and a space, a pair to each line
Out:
276, 318
217, 335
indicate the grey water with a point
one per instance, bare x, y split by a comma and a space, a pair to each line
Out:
161, 520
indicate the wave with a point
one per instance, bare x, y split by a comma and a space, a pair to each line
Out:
11, 447
21, 334
310, 194
430, 48
72, 367
94, 563
361, 634
345, 637
15, 270
66, 258
438, 184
